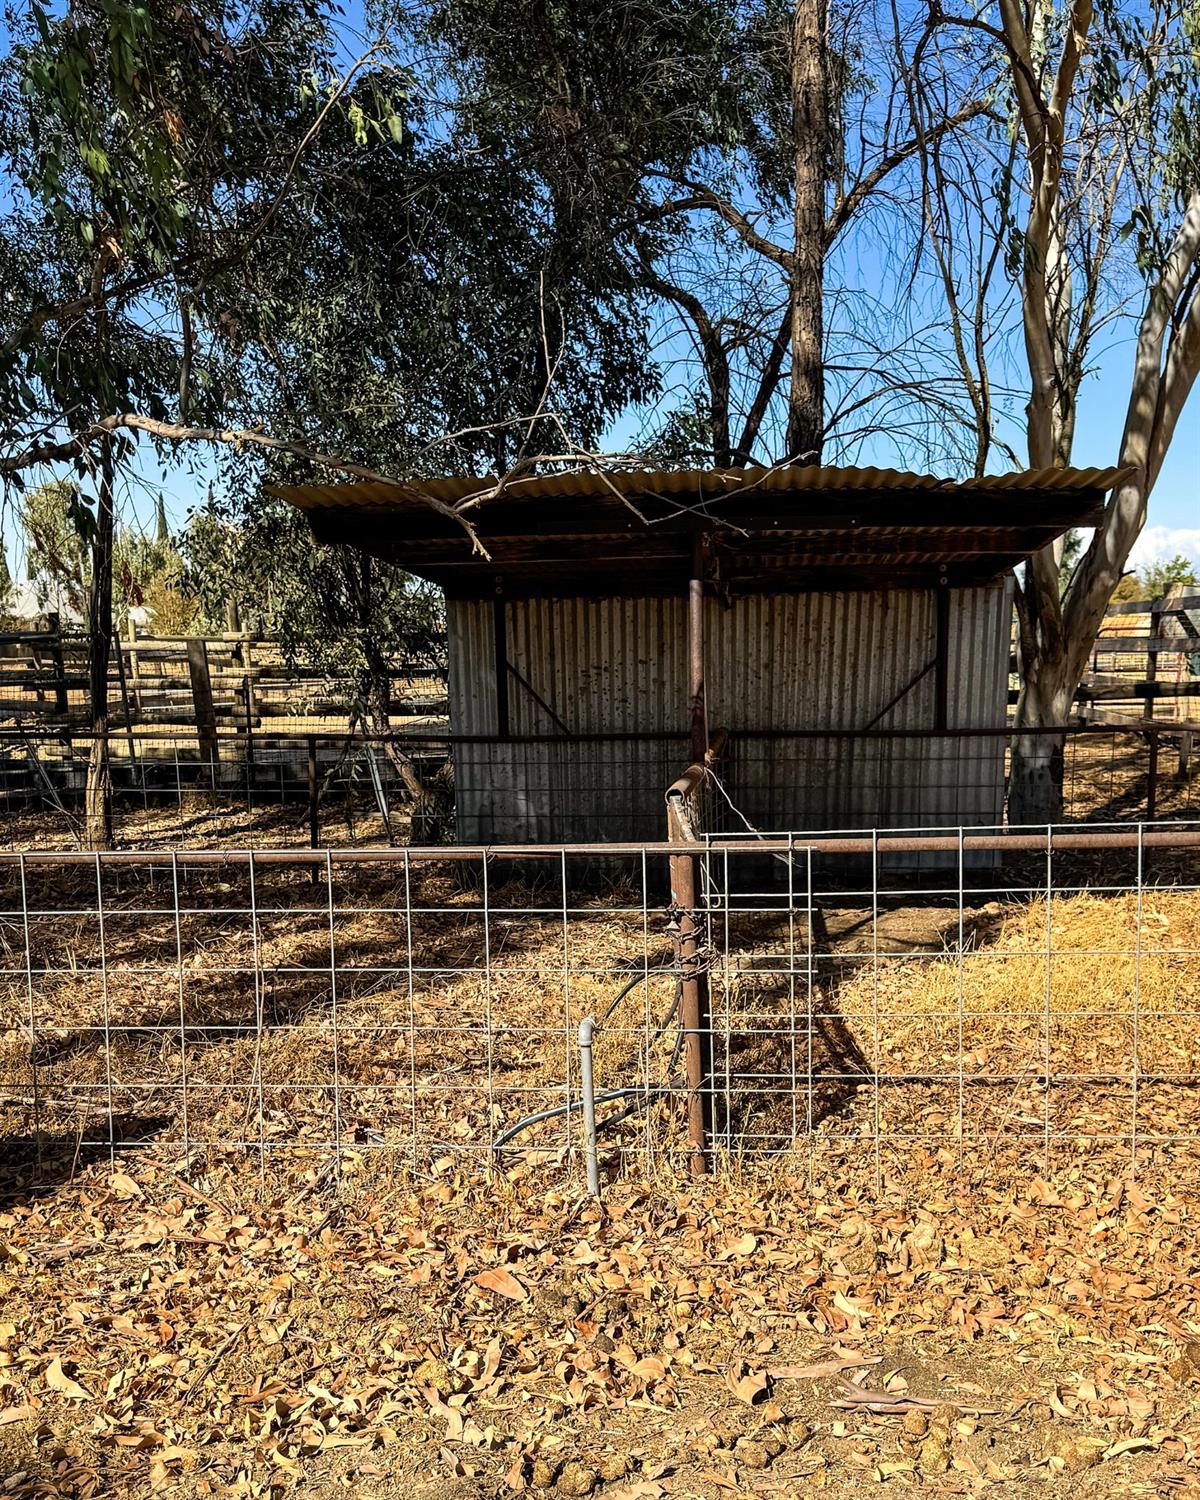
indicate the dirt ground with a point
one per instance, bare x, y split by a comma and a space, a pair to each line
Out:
899, 1298
202, 820
451, 1336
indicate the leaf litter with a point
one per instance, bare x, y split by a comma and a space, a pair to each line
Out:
456, 1336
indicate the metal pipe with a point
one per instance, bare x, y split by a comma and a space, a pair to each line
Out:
435, 741
608, 1097
587, 1028
693, 778
1160, 837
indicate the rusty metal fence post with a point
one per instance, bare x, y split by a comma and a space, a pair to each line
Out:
693, 999
684, 819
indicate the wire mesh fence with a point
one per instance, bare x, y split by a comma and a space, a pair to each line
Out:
423, 1005
271, 790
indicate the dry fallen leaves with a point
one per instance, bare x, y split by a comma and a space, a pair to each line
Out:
59, 1381
497, 1279
452, 1334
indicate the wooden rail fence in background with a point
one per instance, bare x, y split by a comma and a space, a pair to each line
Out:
1146, 663
233, 682
1134, 667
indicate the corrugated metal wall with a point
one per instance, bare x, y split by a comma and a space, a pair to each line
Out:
774, 663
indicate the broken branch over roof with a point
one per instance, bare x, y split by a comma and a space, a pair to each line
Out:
784, 529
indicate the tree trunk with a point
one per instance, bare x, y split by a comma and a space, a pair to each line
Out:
810, 124
1035, 781
377, 695
98, 820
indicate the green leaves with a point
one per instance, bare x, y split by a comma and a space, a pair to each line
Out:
82, 516
358, 122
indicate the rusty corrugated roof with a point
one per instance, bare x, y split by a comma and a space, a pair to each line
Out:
631, 532
689, 485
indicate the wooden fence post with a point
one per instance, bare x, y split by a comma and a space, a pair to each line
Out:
1156, 614
202, 700
60, 672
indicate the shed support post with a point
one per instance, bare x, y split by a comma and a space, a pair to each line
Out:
697, 696
941, 669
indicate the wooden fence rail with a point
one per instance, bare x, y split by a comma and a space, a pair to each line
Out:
232, 681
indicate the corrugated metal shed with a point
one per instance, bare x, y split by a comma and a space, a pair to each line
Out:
837, 602
843, 662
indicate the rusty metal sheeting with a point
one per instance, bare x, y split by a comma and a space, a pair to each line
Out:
832, 661
776, 530
615, 667
689, 484
471, 655
862, 661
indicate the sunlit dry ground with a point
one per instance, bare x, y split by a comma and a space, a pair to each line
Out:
450, 1336
929, 1192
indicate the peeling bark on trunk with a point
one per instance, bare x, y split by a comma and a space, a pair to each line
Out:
98, 822
1057, 634
810, 124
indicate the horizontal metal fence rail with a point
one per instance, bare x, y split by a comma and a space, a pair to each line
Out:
586, 788
423, 1005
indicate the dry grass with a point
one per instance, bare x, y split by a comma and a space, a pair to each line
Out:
235, 1031
1072, 979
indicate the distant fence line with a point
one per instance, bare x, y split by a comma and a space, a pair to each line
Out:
207, 684
1161, 663
241, 682
337, 789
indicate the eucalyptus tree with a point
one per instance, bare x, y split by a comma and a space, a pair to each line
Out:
212, 235
1095, 215
152, 153
727, 149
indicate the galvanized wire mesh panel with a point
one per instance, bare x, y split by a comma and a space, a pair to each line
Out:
424, 1004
